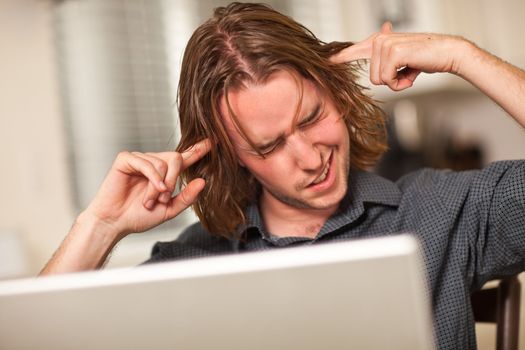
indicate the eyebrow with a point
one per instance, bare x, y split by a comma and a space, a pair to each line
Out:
305, 120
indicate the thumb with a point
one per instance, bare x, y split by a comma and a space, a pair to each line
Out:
185, 198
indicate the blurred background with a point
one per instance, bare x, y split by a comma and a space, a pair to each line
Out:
81, 81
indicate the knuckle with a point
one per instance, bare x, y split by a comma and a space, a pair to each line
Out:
176, 157
157, 164
123, 154
376, 46
162, 166
381, 38
375, 80
152, 193
395, 51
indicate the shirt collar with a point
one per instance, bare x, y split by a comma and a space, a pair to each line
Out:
364, 187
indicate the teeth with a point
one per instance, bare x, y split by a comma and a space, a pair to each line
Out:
322, 177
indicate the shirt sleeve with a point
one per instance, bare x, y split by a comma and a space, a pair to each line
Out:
496, 212
193, 242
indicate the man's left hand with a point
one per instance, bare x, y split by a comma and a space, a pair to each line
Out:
396, 59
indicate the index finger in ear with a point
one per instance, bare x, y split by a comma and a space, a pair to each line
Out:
195, 152
361, 50
358, 51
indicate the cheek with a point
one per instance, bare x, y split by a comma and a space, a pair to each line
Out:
251, 163
330, 131
243, 158
269, 170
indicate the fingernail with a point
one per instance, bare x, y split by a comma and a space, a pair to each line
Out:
149, 204
163, 186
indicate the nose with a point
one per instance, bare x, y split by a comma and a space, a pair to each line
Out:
306, 155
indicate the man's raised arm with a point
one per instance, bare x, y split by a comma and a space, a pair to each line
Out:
396, 59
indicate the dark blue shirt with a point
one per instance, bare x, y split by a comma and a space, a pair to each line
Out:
471, 226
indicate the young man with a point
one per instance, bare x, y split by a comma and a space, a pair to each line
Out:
276, 139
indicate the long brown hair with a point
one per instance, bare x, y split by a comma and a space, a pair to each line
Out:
247, 43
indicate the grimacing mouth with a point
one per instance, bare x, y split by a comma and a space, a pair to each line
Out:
321, 177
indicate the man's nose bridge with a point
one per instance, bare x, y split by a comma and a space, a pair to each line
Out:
305, 153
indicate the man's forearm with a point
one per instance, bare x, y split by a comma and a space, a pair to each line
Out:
86, 247
499, 80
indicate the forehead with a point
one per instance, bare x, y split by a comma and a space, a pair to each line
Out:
260, 110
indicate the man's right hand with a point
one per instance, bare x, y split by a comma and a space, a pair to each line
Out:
136, 195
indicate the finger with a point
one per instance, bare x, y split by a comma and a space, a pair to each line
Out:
395, 72
174, 166
152, 194
361, 50
195, 153
390, 62
358, 51
409, 73
405, 78
159, 164
185, 198
375, 60
378, 51
133, 165
172, 162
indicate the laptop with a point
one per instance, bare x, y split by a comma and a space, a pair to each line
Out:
357, 294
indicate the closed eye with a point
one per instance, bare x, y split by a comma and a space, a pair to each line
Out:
268, 150
312, 118
315, 116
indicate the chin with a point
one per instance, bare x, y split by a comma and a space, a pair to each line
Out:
328, 201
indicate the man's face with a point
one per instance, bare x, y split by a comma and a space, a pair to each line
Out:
306, 156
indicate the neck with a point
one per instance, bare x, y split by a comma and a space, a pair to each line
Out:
284, 220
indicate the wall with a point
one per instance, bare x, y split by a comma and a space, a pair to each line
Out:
36, 199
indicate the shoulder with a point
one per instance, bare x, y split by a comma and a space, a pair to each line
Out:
425, 179
454, 187
434, 178
193, 242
